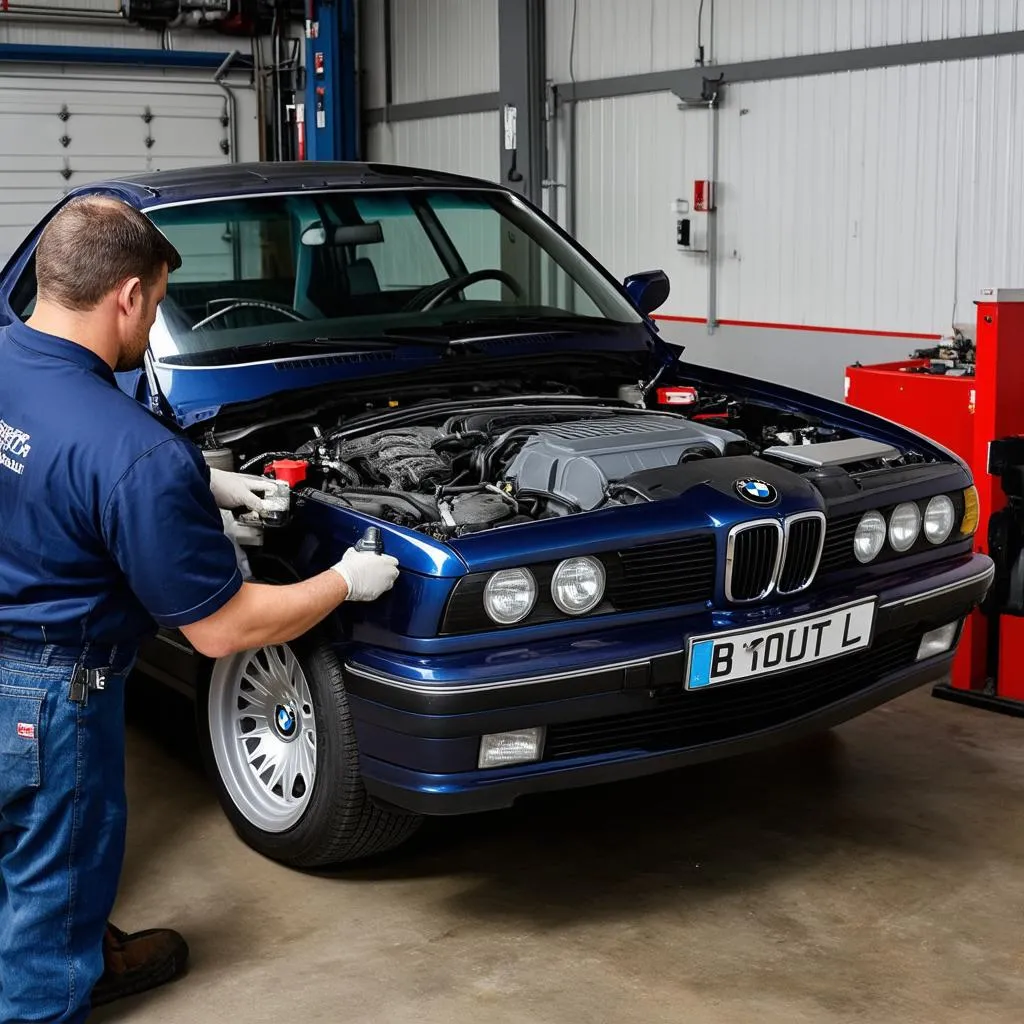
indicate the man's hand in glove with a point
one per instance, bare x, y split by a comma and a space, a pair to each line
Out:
237, 490
367, 574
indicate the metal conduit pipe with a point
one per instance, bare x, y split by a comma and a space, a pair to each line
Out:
218, 77
66, 14
26, 18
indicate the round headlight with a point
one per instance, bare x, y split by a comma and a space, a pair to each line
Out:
509, 596
870, 537
904, 526
939, 518
578, 585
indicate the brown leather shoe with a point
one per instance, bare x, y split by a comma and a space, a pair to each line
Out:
137, 962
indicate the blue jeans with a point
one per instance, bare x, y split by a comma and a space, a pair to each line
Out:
62, 827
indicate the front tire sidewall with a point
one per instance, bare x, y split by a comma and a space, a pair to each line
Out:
340, 823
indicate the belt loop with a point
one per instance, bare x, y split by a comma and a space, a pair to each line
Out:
113, 656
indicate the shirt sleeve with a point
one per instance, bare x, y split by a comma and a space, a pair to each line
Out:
163, 528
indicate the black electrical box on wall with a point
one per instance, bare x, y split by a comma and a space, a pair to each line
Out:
151, 13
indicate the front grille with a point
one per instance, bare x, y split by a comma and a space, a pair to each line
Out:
837, 553
680, 571
801, 554
753, 556
688, 719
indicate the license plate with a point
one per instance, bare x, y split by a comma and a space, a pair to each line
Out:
783, 646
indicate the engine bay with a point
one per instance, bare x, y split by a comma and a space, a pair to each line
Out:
452, 466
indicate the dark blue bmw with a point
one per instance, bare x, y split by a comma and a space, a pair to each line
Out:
613, 563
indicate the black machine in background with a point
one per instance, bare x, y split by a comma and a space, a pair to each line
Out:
1006, 527
236, 17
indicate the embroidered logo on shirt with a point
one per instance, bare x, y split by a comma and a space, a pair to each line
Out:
14, 447
26, 730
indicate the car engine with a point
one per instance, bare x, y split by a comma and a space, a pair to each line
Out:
448, 468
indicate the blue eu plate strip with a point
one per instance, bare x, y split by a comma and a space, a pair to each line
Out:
700, 663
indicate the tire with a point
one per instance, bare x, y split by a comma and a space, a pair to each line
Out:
331, 821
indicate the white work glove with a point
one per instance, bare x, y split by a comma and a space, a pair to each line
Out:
235, 490
367, 574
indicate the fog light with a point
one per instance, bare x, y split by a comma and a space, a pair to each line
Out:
938, 641
517, 747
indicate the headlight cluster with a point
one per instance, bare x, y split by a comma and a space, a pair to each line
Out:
577, 587
935, 519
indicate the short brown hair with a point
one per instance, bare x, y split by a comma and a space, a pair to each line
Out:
92, 245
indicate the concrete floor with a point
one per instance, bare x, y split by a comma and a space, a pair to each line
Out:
876, 874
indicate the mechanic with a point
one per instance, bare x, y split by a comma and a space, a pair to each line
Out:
108, 524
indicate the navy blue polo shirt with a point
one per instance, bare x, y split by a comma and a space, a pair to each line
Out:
107, 522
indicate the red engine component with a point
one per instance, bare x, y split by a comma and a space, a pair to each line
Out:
291, 471
677, 396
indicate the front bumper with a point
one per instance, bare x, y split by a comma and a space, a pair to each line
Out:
619, 711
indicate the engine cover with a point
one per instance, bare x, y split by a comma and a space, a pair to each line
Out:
576, 461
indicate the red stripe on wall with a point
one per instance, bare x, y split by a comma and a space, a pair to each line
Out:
800, 327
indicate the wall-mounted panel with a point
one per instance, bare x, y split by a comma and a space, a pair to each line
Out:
463, 144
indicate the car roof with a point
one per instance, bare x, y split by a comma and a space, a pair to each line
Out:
224, 180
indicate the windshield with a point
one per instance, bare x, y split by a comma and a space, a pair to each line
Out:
344, 266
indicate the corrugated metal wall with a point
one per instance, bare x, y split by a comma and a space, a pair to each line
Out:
913, 200
625, 37
877, 201
462, 144
440, 49
916, 202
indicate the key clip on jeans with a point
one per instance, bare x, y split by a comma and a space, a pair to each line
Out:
85, 679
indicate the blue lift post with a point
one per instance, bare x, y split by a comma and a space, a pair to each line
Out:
331, 110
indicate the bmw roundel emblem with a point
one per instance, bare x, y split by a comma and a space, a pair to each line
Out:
285, 720
759, 492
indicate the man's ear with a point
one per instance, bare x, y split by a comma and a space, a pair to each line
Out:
129, 295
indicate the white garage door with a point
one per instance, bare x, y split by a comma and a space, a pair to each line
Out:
58, 131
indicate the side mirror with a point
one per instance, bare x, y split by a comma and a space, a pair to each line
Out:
648, 290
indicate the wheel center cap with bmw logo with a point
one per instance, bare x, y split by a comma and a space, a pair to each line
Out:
286, 721
757, 492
